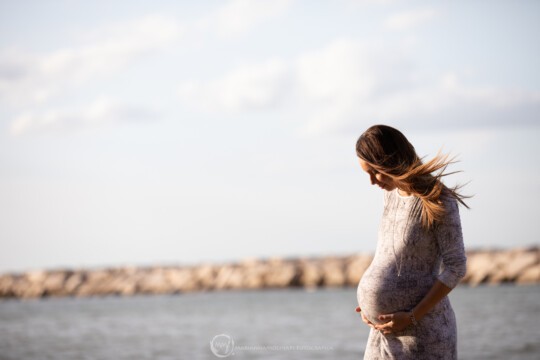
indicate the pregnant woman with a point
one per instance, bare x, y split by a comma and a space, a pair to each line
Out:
419, 257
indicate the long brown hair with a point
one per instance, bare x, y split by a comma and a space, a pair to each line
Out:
389, 152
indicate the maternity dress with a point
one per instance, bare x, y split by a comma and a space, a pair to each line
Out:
407, 261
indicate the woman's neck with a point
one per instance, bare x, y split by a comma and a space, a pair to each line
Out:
403, 193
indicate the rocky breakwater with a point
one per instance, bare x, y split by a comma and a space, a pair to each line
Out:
492, 267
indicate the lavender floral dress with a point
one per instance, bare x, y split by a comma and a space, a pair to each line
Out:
407, 262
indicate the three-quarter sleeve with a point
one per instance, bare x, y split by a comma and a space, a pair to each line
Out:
451, 249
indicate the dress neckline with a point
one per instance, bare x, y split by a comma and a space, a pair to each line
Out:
403, 197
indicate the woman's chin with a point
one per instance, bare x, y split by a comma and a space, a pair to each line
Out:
387, 187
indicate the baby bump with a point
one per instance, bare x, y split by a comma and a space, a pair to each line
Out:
381, 291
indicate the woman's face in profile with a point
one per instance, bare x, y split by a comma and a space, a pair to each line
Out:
383, 181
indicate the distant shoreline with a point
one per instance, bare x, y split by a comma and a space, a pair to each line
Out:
520, 266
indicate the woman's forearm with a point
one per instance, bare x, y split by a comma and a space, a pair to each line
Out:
437, 292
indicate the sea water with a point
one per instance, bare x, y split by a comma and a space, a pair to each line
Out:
494, 322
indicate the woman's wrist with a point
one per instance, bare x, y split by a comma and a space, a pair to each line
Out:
437, 292
412, 318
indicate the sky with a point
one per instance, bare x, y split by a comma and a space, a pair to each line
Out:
183, 132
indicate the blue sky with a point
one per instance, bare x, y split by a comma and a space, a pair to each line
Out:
184, 132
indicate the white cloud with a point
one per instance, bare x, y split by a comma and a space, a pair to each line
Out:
100, 112
347, 85
35, 81
371, 87
238, 16
249, 87
29, 78
409, 19
357, 3
336, 71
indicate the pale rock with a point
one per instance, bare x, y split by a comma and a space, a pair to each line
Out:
120, 284
6, 285
181, 280
530, 275
54, 283
310, 273
73, 282
253, 275
479, 267
23, 288
94, 284
355, 268
250, 262
513, 264
280, 274
500, 260
154, 282
275, 261
205, 276
36, 276
332, 272
229, 277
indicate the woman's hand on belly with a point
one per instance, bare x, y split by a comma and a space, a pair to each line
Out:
364, 319
394, 322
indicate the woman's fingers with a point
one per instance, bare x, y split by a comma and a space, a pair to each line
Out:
364, 319
388, 325
385, 328
393, 322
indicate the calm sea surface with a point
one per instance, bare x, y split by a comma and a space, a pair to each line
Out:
493, 323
